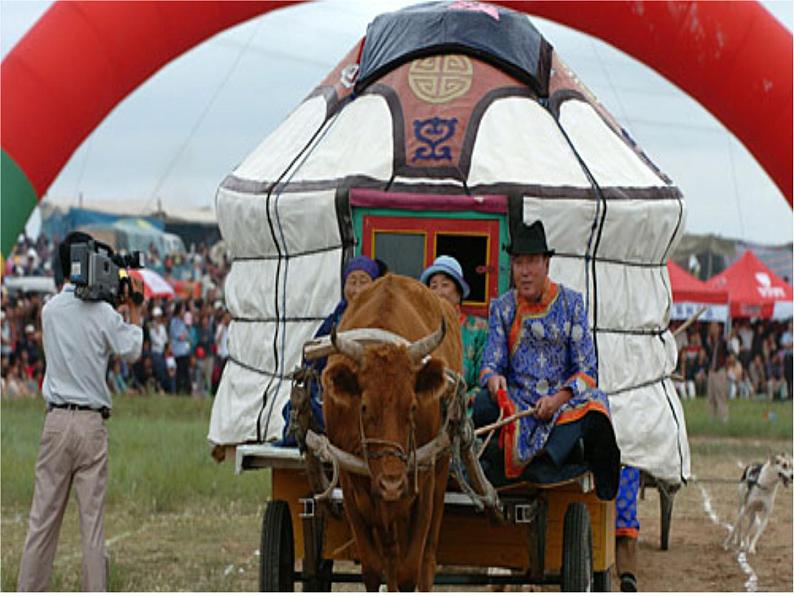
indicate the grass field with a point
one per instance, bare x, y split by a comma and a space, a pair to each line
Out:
178, 521
164, 492
763, 419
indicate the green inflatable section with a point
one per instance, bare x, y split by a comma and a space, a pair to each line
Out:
17, 198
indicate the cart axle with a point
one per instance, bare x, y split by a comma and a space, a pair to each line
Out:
454, 579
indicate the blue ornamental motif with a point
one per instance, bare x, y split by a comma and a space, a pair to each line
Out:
433, 132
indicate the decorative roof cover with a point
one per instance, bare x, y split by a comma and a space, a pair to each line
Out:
496, 35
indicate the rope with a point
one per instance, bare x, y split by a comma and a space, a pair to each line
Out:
490, 435
331, 485
715, 480
477, 500
197, 124
463, 437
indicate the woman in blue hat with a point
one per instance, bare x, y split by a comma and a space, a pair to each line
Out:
445, 278
358, 273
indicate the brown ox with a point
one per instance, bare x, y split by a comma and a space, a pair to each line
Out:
388, 395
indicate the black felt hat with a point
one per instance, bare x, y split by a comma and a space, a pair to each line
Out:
529, 240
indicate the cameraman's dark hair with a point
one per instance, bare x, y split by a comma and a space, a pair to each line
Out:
64, 250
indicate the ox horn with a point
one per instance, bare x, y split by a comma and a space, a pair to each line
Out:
349, 348
422, 347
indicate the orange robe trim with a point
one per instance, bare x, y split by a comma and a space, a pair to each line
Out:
531, 310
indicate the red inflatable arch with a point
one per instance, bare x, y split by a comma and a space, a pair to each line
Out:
82, 58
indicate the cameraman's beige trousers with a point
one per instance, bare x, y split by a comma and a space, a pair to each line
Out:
73, 452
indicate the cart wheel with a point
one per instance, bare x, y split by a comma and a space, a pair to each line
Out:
577, 550
602, 581
276, 550
666, 506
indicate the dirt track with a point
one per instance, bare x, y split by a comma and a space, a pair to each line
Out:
696, 561
216, 549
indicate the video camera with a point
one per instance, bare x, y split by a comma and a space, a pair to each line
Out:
100, 274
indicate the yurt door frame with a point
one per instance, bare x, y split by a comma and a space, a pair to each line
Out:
408, 231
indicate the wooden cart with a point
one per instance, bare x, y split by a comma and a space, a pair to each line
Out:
561, 534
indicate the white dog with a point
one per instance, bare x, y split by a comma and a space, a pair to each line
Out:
757, 490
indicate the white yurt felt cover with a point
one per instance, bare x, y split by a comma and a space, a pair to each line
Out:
525, 128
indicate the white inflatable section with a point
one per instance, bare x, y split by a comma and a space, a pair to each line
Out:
233, 210
530, 149
633, 357
642, 232
571, 272
560, 217
236, 409
251, 344
626, 361
239, 212
610, 160
654, 424
274, 154
247, 279
644, 298
358, 142
242, 389
303, 266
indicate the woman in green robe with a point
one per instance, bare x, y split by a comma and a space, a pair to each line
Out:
445, 278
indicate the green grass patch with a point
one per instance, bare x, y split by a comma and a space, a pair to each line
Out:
175, 519
159, 456
748, 418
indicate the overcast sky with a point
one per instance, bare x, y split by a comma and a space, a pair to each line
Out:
179, 134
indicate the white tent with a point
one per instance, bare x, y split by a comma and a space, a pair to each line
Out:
470, 110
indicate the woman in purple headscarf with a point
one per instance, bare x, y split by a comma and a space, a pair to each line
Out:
358, 273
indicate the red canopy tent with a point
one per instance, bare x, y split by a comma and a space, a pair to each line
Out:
690, 295
755, 291
154, 286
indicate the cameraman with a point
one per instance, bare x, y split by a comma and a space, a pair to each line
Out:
79, 337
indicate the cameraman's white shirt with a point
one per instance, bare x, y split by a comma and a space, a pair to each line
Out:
79, 337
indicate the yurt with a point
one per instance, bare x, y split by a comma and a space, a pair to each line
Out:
445, 125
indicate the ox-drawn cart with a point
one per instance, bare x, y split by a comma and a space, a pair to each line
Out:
550, 535
558, 533
425, 142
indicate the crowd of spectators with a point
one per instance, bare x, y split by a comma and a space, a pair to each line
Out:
185, 338
758, 364
185, 343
